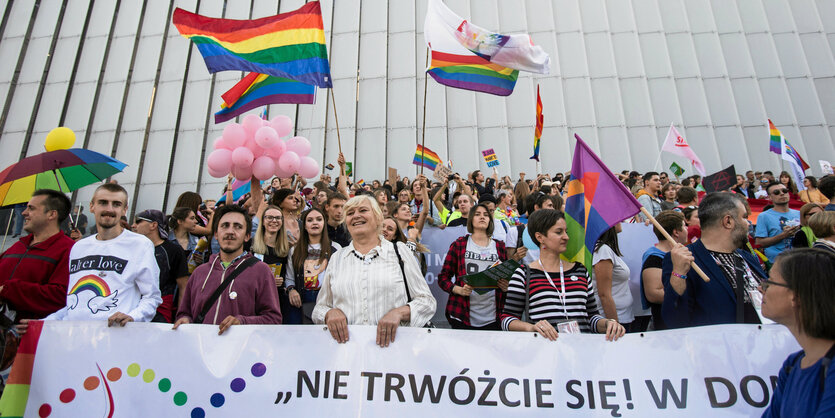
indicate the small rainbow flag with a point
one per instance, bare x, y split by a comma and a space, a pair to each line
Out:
539, 124
426, 158
289, 45
361, 182
774, 146
256, 90
329, 166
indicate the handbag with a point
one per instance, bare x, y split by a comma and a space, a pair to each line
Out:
212, 299
406, 284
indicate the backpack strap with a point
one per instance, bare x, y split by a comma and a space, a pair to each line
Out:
825, 362
402, 271
216, 294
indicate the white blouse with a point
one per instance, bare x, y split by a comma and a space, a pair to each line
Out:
365, 288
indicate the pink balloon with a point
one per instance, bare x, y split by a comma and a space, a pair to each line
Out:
234, 135
308, 168
221, 144
299, 144
266, 137
217, 174
251, 123
242, 173
220, 160
263, 168
281, 173
242, 157
257, 151
289, 161
276, 150
282, 124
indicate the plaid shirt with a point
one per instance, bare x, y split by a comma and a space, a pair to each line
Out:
458, 307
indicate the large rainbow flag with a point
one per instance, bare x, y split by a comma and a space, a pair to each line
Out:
16, 392
256, 90
595, 202
426, 158
537, 134
289, 45
468, 57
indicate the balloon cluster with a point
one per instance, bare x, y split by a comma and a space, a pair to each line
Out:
255, 148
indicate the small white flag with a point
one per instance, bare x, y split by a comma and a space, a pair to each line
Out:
676, 144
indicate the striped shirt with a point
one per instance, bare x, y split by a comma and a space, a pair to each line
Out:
545, 302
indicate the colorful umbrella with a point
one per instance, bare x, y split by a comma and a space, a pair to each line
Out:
64, 170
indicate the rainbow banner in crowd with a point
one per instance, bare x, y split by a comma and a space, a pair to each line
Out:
468, 57
262, 90
537, 134
427, 158
289, 45
595, 202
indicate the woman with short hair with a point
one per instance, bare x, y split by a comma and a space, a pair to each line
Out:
558, 295
805, 238
823, 226
372, 281
798, 295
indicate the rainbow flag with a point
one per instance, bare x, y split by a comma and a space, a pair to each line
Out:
595, 202
256, 90
289, 45
539, 124
468, 57
426, 158
16, 392
774, 144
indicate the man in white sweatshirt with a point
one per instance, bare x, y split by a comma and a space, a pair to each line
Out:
113, 274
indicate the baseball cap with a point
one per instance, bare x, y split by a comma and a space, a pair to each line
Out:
153, 215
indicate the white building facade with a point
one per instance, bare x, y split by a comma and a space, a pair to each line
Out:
118, 73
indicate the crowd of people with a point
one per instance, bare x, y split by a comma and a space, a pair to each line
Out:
343, 254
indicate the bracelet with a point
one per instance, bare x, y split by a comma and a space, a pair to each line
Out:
680, 276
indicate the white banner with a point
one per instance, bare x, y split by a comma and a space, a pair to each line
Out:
84, 369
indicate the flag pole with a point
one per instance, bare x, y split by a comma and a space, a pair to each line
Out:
8, 226
336, 119
667, 236
423, 128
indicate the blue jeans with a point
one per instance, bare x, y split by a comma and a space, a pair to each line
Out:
301, 315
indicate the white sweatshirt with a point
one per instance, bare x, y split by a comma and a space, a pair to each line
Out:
117, 275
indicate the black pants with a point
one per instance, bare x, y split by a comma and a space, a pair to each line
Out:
456, 324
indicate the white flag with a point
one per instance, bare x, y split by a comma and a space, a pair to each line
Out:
790, 155
675, 144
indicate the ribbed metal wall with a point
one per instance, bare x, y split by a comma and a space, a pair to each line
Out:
118, 73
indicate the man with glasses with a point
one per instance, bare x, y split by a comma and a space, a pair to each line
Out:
664, 178
171, 259
731, 294
777, 226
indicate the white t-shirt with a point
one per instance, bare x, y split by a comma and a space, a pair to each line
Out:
476, 259
510, 242
620, 284
117, 275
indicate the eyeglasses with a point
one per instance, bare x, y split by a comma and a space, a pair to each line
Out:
778, 192
270, 218
766, 283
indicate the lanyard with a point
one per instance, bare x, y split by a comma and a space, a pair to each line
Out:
562, 284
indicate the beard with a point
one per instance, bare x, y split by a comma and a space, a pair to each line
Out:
740, 237
230, 247
108, 223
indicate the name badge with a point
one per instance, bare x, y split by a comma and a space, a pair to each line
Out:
568, 327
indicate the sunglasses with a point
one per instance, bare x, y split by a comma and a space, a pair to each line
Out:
778, 192
765, 284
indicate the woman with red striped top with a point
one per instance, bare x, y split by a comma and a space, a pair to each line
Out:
559, 294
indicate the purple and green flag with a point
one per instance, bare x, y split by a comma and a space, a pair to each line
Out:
595, 202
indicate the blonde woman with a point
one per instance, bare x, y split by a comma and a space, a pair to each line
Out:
270, 246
